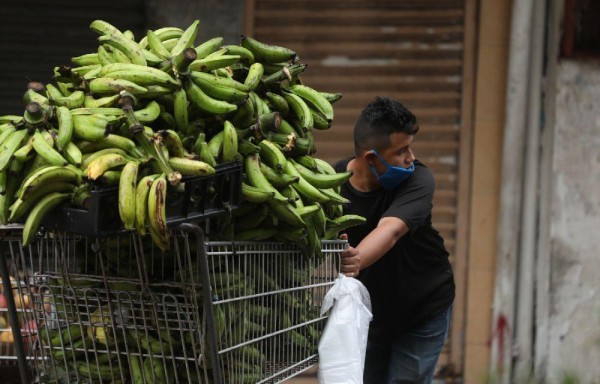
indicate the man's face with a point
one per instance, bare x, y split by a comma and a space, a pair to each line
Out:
399, 153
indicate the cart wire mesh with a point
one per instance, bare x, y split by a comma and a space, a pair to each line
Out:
266, 300
12, 286
23, 329
117, 309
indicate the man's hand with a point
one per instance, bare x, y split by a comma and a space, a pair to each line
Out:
350, 260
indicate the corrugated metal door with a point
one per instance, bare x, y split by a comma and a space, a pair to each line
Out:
36, 36
417, 51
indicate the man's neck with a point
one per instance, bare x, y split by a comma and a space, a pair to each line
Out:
362, 178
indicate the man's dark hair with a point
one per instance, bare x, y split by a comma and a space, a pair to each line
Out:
382, 117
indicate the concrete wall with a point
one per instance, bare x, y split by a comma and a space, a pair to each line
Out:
574, 297
489, 109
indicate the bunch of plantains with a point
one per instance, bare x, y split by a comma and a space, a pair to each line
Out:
89, 354
143, 114
265, 315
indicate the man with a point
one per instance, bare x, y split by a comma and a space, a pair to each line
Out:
396, 253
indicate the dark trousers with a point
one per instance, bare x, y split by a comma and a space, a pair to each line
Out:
410, 357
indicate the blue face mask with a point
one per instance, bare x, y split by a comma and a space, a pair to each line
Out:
393, 176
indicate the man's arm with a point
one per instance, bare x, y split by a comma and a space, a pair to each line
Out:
388, 231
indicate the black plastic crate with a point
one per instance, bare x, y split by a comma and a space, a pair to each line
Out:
203, 196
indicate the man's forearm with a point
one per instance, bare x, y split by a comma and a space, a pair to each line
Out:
380, 240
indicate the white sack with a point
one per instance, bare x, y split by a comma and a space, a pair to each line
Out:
343, 344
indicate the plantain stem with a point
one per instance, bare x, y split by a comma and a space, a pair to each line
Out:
36, 86
35, 114
287, 73
152, 150
182, 61
269, 122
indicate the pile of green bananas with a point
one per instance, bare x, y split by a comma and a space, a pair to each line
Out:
142, 114
279, 328
263, 304
140, 353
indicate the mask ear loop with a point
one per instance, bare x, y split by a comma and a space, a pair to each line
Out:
412, 166
380, 159
374, 171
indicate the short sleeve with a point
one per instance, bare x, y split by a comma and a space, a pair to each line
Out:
412, 201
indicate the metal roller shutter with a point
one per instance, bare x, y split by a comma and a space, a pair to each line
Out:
411, 50
36, 36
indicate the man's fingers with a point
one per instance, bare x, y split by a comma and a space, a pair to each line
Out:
350, 272
349, 252
349, 261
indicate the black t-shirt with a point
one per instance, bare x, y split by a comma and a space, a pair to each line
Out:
413, 281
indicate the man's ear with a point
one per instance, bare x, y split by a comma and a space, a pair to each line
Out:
369, 156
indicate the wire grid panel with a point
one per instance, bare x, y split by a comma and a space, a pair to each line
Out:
27, 326
22, 298
266, 305
113, 310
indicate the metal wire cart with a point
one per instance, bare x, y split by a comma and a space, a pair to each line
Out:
118, 310
18, 327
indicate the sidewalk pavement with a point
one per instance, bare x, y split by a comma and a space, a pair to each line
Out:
10, 375
306, 377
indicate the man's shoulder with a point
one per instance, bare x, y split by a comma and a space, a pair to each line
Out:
342, 165
421, 166
422, 174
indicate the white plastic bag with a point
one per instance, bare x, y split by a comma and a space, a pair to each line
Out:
344, 341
